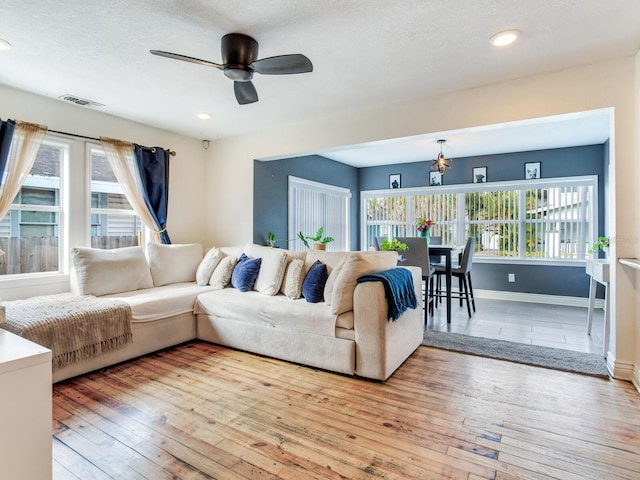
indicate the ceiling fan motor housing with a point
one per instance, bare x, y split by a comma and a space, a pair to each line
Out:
240, 62
238, 52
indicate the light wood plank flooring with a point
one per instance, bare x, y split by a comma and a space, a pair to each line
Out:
555, 326
201, 411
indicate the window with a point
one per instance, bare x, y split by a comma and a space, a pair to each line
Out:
30, 233
114, 224
313, 205
510, 220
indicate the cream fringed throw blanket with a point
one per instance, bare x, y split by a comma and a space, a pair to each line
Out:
74, 327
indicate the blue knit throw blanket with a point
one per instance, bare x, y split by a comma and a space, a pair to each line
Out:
398, 288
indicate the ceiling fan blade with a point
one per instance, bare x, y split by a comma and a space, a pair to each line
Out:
184, 58
283, 65
245, 92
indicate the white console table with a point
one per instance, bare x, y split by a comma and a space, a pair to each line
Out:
598, 270
25, 409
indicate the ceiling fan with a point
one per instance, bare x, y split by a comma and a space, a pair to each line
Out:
240, 62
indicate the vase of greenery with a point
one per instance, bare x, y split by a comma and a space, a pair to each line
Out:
601, 244
319, 240
393, 245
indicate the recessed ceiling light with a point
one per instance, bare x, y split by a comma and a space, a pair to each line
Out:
4, 45
204, 116
505, 37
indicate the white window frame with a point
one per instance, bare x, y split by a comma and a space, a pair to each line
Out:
460, 190
23, 279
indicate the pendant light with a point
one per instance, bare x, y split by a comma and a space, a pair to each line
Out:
441, 163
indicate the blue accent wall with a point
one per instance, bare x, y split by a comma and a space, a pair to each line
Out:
270, 203
270, 189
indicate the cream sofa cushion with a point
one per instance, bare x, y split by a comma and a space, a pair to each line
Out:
333, 274
207, 266
221, 276
356, 265
293, 278
174, 263
274, 263
102, 272
330, 259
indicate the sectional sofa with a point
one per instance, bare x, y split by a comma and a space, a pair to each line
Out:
177, 293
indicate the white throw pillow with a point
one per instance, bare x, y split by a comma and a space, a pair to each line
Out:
293, 278
102, 272
208, 265
174, 263
356, 265
221, 276
274, 263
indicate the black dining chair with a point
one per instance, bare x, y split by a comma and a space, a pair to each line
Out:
463, 273
417, 255
377, 241
436, 259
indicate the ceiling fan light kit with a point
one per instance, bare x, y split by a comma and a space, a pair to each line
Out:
240, 62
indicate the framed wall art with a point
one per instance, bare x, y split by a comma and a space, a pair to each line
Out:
394, 180
479, 175
435, 178
531, 170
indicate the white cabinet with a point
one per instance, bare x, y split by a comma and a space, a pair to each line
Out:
25, 409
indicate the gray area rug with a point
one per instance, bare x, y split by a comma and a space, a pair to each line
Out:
555, 358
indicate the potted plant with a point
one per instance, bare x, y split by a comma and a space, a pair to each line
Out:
601, 244
393, 245
272, 240
319, 240
424, 225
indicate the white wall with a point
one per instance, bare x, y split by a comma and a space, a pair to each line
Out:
608, 84
187, 175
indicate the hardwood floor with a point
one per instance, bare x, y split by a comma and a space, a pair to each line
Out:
200, 411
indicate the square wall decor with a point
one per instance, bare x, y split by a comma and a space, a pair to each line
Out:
480, 175
394, 181
435, 178
531, 170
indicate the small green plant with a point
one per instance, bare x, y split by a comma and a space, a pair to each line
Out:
601, 244
272, 240
319, 238
393, 244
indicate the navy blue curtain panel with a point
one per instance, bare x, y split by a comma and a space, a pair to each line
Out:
153, 166
6, 134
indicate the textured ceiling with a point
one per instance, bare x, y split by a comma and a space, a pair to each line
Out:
364, 52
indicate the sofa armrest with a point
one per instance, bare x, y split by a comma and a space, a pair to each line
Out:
382, 345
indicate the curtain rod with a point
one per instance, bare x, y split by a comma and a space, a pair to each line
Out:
171, 152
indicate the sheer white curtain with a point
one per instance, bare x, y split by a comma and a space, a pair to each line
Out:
121, 158
25, 144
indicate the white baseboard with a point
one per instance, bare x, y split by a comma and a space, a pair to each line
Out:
623, 370
611, 366
537, 298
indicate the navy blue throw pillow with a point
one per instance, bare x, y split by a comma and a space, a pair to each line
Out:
313, 284
245, 273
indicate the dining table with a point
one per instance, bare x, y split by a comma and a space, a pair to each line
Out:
446, 251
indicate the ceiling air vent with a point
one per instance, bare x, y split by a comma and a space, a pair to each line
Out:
81, 101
